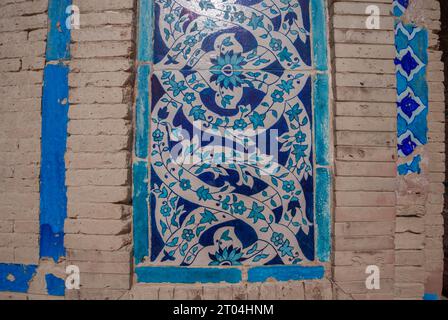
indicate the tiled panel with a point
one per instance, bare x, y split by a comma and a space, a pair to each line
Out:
412, 95
231, 147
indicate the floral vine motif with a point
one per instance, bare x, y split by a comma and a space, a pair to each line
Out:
230, 71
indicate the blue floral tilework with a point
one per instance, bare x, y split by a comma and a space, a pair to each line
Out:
412, 92
231, 73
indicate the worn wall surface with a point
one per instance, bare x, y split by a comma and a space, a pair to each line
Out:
379, 217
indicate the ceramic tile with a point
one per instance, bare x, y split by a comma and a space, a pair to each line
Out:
236, 34
412, 95
231, 180
231, 148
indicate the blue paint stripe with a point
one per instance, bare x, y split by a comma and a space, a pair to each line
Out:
142, 112
322, 120
145, 32
323, 216
187, 275
319, 32
285, 273
16, 277
58, 40
140, 211
55, 106
53, 197
55, 286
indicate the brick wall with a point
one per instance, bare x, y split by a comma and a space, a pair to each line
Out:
98, 238
365, 124
23, 30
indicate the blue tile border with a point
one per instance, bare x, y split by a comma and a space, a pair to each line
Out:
141, 149
187, 275
322, 120
145, 34
142, 112
58, 38
140, 208
411, 44
323, 214
152, 274
320, 43
285, 273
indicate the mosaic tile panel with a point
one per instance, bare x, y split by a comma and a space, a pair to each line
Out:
231, 134
412, 95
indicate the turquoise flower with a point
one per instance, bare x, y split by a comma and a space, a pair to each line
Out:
300, 137
239, 16
189, 98
256, 21
169, 18
226, 257
256, 213
286, 86
299, 151
190, 41
239, 207
277, 238
165, 210
187, 235
275, 44
285, 55
177, 87
227, 70
286, 249
197, 113
157, 135
277, 96
204, 194
294, 113
210, 24
257, 119
185, 184
288, 186
239, 124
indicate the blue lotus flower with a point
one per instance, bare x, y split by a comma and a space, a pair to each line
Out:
227, 70
226, 257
